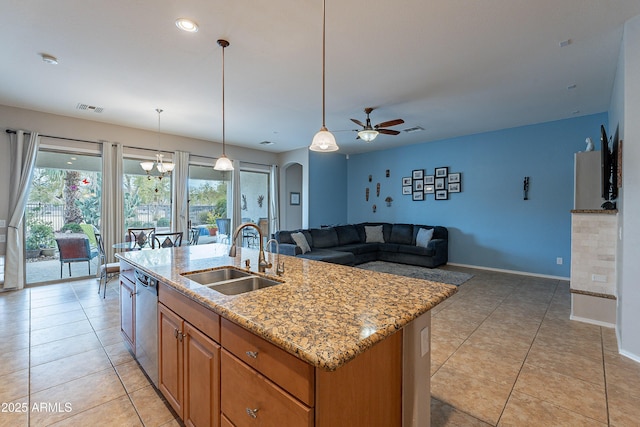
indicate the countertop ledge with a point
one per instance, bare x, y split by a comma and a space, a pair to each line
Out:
325, 314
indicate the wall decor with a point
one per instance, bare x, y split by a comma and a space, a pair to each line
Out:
418, 185
417, 174
370, 178
525, 188
454, 177
406, 181
378, 190
294, 198
429, 180
429, 189
388, 200
454, 187
418, 195
375, 208
442, 195
366, 194
442, 172
406, 189
388, 173
440, 184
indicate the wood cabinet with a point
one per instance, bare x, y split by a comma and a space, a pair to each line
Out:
127, 304
189, 364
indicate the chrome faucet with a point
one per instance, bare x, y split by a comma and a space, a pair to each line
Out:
262, 262
279, 267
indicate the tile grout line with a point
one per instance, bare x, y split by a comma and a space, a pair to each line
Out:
604, 371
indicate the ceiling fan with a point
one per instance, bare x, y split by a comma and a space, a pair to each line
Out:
369, 133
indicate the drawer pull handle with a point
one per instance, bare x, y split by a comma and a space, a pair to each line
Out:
252, 354
252, 412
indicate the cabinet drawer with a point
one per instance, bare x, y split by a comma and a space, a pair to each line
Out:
224, 422
198, 315
286, 370
249, 399
126, 271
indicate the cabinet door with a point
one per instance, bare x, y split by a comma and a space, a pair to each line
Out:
201, 379
170, 357
127, 312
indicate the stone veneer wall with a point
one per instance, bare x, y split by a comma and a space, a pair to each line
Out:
593, 266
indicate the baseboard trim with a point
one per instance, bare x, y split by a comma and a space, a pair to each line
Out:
501, 270
592, 322
631, 356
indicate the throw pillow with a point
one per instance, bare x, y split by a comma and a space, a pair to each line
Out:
301, 241
423, 237
374, 234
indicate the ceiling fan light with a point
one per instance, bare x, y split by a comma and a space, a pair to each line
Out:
146, 166
324, 141
223, 164
368, 135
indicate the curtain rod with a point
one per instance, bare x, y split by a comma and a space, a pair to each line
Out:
55, 137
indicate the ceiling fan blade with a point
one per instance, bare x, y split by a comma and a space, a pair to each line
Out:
358, 122
388, 131
390, 123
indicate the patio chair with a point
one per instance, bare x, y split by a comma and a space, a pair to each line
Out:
194, 235
166, 240
107, 270
75, 249
224, 224
141, 237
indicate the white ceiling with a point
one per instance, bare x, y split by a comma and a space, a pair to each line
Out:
453, 67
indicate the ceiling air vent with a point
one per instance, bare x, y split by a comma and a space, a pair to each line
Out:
89, 108
413, 129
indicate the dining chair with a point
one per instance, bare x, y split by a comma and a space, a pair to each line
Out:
141, 237
166, 240
75, 249
106, 268
194, 235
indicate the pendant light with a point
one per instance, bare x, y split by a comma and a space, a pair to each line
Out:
165, 169
324, 140
223, 163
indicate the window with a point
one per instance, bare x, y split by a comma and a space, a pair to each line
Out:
147, 198
254, 202
208, 201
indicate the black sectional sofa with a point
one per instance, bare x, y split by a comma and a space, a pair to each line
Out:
348, 244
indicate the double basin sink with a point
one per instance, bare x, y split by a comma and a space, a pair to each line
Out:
230, 280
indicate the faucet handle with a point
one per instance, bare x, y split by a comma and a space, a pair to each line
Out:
280, 268
247, 263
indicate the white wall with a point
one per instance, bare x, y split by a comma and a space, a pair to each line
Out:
67, 127
625, 110
300, 156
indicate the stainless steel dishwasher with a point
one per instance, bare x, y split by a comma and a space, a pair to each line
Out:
146, 324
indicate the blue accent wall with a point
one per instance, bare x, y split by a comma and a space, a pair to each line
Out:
490, 225
327, 189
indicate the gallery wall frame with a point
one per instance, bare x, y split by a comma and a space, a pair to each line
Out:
294, 198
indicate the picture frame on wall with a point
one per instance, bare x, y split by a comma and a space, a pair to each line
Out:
294, 198
442, 172
454, 187
406, 190
429, 189
454, 177
418, 195
442, 195
429, 179
418, 185
406, 181
418, 174
440, 184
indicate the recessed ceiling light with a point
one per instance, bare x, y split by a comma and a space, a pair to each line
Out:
73, 158
187, 25
565, 43
49, 59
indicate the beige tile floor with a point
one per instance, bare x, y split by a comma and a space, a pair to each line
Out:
503, 353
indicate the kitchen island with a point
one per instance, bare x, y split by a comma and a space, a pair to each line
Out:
360, 339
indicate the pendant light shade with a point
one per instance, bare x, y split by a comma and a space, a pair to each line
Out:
223, 163
323, 141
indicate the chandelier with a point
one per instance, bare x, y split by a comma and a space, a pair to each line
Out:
164, 168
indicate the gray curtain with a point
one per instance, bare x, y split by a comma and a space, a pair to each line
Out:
112, 203
23, 160
180, 194
275, 200
236, 217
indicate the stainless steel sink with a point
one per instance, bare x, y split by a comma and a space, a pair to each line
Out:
242, 285
215, 276
230, 280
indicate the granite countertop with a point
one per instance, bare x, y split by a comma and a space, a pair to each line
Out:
325, 314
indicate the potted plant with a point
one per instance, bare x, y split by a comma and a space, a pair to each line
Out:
40, 238
211, 224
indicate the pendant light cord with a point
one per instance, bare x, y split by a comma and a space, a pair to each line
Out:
323, 60
223, 129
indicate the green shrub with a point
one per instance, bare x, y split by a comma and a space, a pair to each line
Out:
164, 222
72, 227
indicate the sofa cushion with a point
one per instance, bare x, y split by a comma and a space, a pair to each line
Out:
374, 234
284, 236
301, 241
328, 255
388, 247
347, 234
423, 237
324, 237
358, 248
402, 234
416, 250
